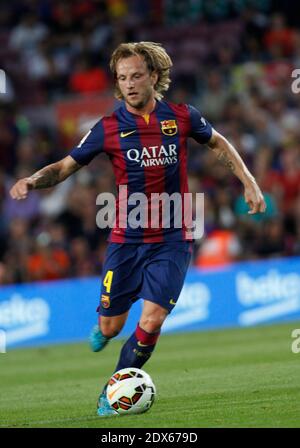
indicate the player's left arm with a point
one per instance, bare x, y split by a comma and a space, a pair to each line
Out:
229, 156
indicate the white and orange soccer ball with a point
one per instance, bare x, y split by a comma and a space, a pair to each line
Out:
130, 391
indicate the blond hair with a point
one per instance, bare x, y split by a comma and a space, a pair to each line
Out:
156, 59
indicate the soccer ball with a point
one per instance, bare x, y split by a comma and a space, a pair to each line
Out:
130, 391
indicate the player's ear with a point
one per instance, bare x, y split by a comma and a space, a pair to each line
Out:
154, 77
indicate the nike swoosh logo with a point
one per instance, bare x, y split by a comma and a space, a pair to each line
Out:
125, 134
142, 345
172, 302
113, 393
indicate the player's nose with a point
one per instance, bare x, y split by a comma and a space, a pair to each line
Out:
130, 84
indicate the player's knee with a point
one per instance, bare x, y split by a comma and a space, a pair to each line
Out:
152, 323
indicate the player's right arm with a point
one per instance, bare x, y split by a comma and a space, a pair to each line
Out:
90, 146
49, 176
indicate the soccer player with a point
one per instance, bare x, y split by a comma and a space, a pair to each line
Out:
146, 141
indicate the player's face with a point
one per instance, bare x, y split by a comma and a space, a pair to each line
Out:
135, 81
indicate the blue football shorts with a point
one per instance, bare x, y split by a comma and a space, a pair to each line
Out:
150, 271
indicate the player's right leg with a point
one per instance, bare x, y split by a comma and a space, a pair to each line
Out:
119, 283
97, 340
121, 280
108, 327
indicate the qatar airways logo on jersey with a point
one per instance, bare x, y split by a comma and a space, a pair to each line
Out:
153, 155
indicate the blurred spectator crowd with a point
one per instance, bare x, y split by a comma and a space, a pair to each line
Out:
234, 62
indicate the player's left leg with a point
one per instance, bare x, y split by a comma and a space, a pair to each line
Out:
162, 281
140, 346
163, 278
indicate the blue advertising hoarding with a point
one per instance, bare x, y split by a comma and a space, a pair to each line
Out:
242, 294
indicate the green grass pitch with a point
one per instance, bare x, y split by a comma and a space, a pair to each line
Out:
229, 378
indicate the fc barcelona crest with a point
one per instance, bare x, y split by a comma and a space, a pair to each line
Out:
105, 300
169, 127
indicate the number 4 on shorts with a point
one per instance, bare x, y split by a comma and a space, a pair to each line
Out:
108, 280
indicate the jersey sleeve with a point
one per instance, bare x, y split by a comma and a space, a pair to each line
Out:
201, 129
90, 145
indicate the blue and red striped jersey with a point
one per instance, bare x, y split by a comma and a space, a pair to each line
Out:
149, 155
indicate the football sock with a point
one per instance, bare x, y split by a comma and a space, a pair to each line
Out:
137, 349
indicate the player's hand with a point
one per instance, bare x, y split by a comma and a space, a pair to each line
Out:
254, 198
20, 189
